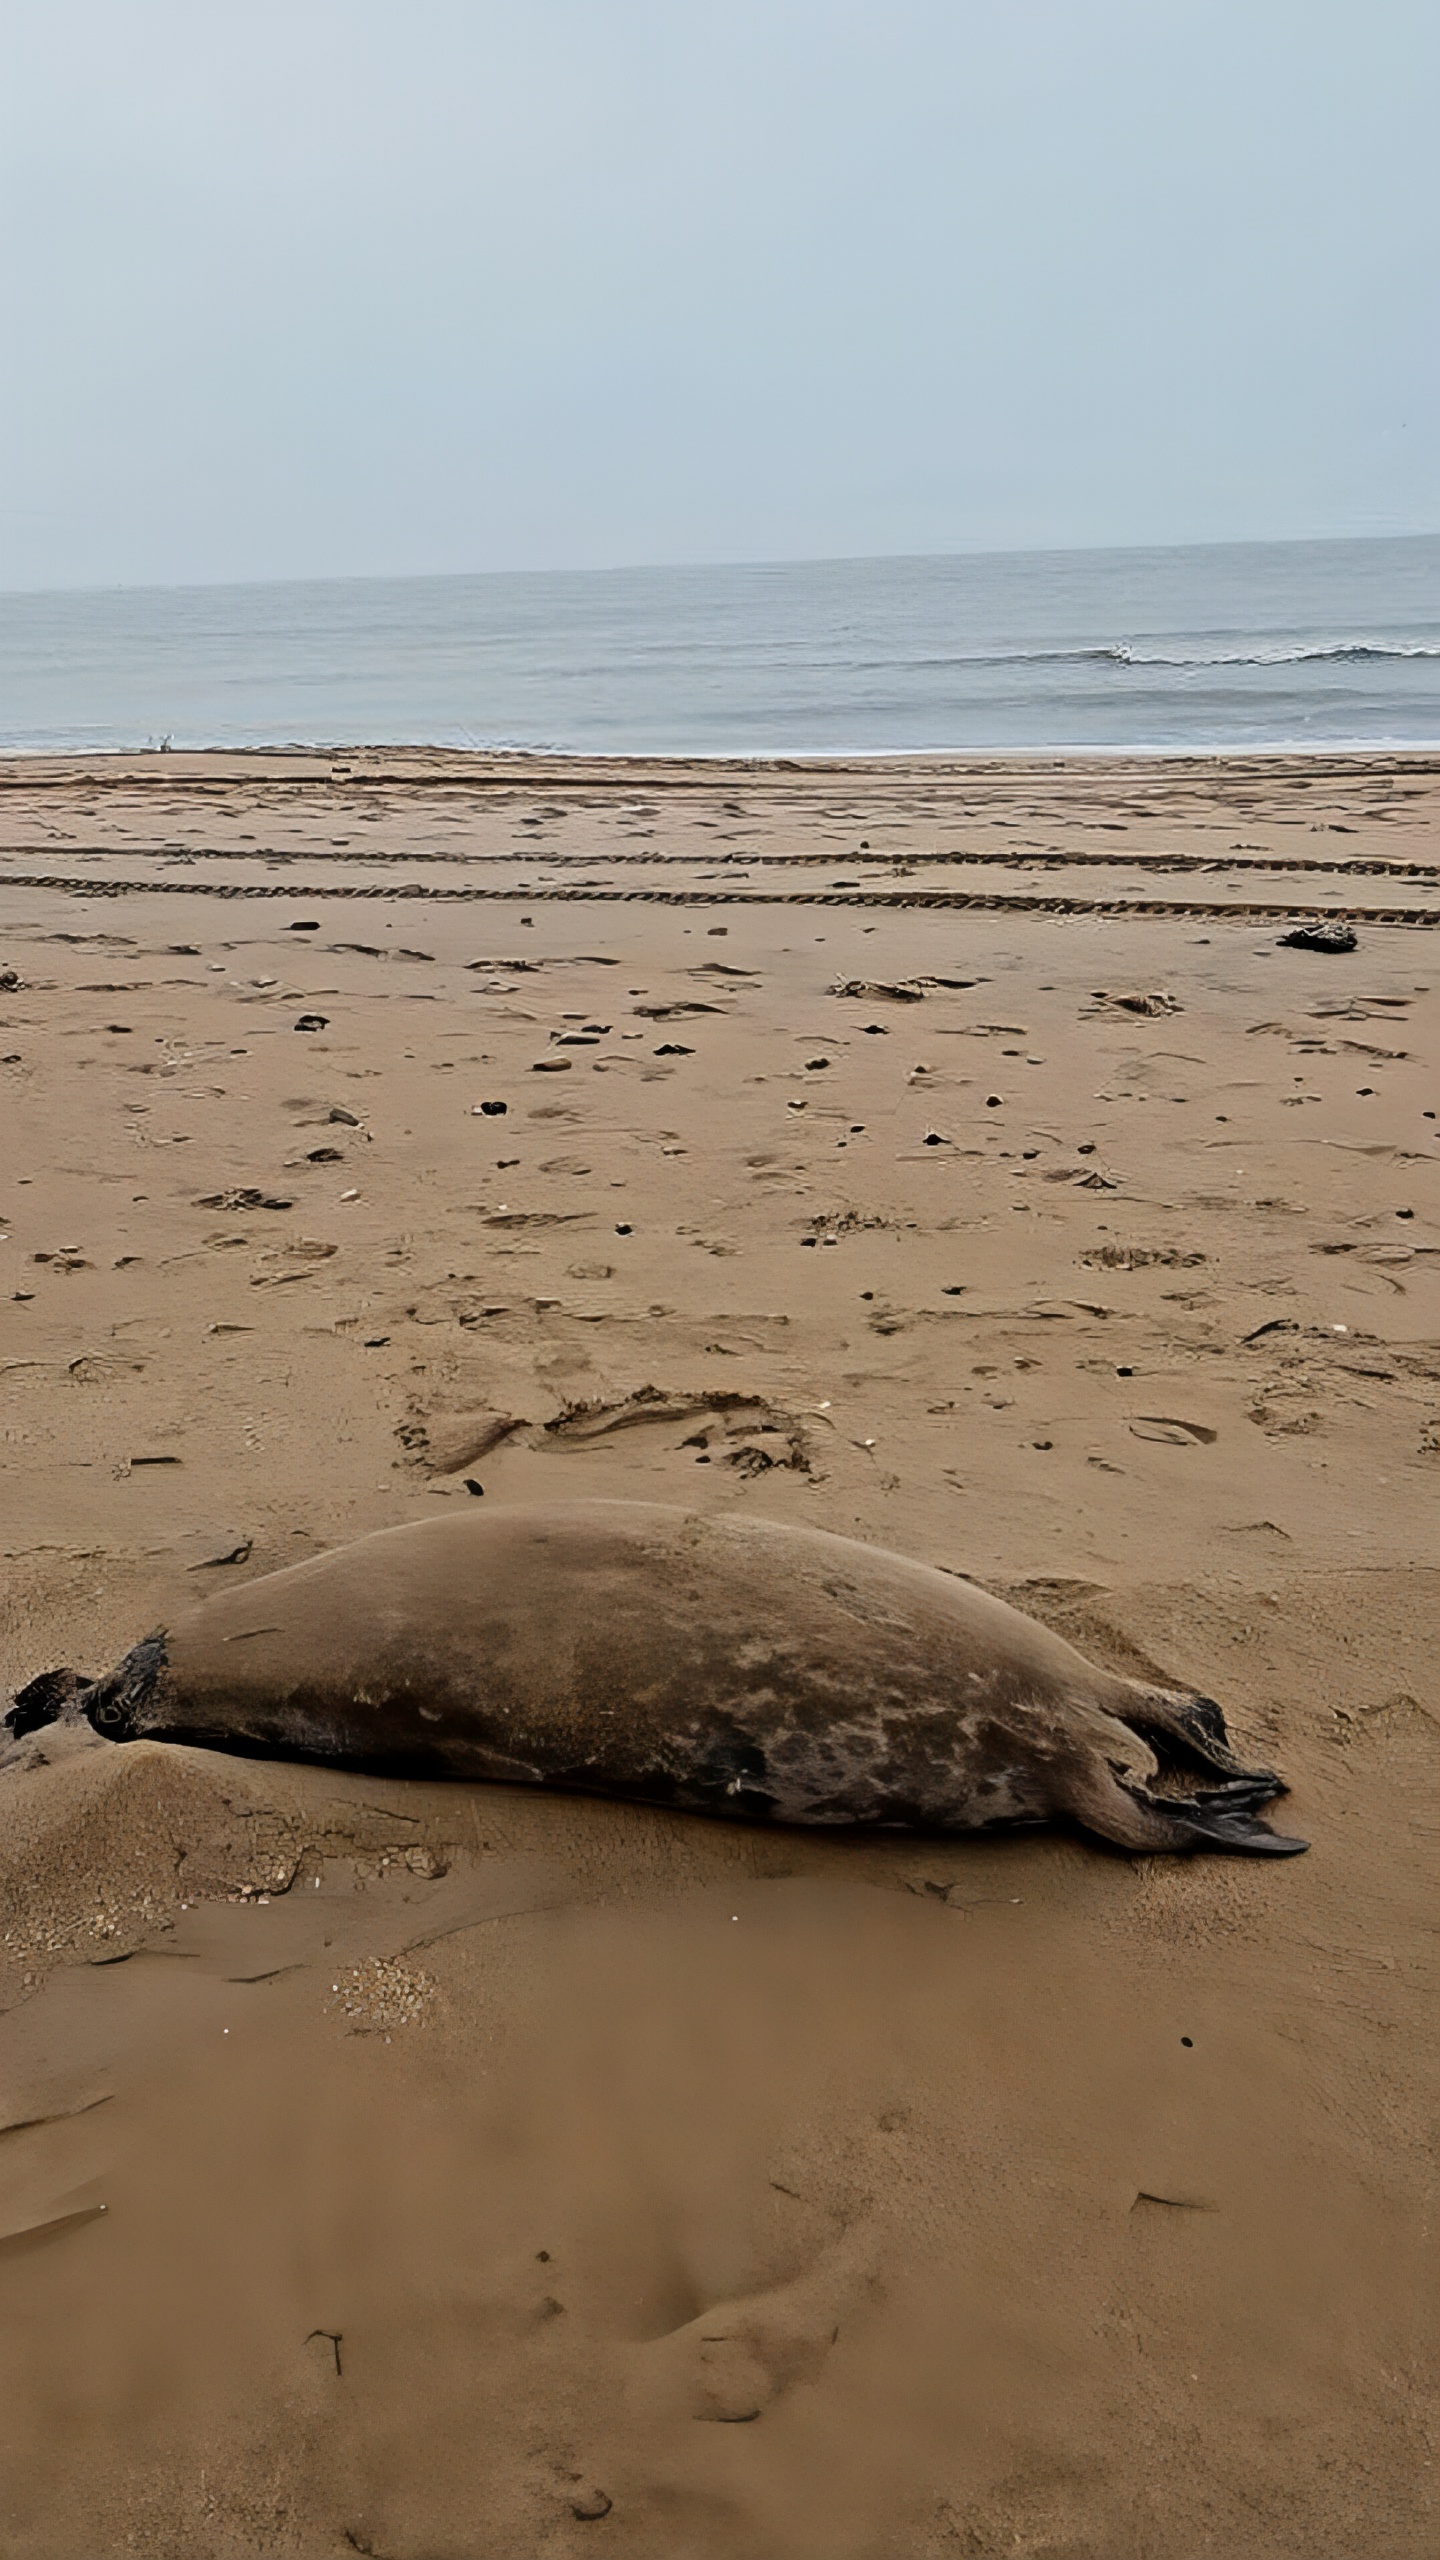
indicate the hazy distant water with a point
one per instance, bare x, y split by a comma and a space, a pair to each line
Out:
1286, 644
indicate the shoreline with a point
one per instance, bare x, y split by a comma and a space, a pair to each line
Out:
17, 760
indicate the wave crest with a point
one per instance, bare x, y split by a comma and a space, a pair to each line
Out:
1343, 652
1126, 653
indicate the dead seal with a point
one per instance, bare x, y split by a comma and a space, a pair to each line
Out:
721, 1664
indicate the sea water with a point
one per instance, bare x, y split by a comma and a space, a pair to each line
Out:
1267, 645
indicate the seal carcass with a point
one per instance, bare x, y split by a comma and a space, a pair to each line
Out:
721, 1664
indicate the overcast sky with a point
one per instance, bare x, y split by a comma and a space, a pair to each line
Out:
299, 288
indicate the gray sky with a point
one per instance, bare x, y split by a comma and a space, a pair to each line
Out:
308, 288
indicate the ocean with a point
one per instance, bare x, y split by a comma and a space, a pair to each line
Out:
1233, 646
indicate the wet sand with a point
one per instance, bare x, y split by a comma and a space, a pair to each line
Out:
894, 1148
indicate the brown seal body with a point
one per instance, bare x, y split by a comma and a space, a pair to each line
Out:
720, 1664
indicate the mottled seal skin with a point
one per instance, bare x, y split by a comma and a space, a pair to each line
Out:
722, 1664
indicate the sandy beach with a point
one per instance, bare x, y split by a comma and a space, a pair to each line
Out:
450, 2173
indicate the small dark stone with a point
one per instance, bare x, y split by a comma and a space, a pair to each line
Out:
623, 1230
472, 1487
246, 1198
325, 1155
309, 924
312, 1022
230, 1546
1334, 936
348, 1119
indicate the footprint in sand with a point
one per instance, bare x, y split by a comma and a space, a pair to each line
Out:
732, 2361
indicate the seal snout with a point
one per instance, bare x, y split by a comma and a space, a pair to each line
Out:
45, 1700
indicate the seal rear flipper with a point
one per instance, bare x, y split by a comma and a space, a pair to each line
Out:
1106, 1799
1222, 1818
1192, 1727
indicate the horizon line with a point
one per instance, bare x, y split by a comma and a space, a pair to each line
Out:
686, 568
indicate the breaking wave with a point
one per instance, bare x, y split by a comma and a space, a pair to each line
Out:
1343, 652
1300, 645
1125, 653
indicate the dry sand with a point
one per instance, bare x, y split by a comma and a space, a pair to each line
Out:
454, 2174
